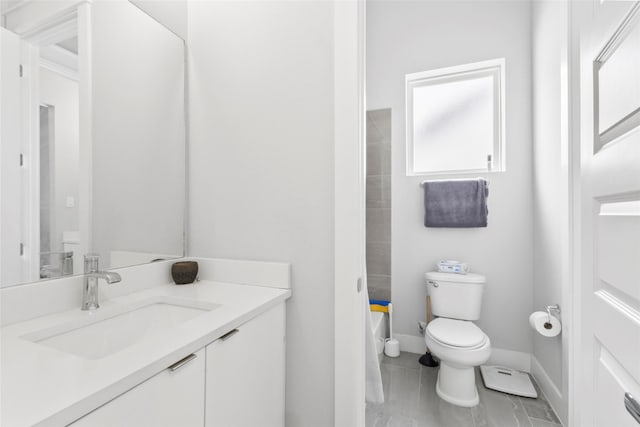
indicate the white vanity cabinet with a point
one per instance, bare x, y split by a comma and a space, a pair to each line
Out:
238, 380
246, 374
173, 397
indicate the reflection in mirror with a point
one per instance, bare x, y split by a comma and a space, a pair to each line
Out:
138, 136
59, 158
98, 125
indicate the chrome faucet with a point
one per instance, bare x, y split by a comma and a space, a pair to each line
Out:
91, 276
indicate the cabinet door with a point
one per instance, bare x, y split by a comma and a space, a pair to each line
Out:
245, 374
171, 398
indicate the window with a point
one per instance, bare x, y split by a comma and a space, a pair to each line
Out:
455, 119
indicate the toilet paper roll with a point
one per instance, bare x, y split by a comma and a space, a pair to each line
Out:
539, 321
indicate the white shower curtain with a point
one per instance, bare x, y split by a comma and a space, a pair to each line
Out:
373, 387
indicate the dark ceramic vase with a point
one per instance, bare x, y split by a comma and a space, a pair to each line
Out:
184, 272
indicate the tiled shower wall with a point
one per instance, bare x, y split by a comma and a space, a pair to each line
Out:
378, 205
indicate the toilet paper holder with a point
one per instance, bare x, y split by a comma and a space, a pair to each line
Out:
549, 308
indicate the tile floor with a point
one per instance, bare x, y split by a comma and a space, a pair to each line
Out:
411, 400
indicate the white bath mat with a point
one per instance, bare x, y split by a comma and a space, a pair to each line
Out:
508, 381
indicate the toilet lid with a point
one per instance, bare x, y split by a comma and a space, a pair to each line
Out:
457, 333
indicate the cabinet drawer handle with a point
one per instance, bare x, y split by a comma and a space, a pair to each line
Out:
632, 405
180, 363
229, 335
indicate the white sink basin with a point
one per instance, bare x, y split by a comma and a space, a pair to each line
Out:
98, 334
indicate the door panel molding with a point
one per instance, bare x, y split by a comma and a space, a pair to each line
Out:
627, 31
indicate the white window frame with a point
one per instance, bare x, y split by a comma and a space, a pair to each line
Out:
494, 68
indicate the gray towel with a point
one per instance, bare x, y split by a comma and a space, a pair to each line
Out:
456, 203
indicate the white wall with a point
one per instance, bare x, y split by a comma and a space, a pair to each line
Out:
550, 185
62, 93
261, 166
406, 37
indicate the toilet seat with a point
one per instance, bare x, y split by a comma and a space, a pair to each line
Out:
461, 334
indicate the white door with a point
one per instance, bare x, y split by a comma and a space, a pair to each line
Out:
349, 303
610, 212
11, 259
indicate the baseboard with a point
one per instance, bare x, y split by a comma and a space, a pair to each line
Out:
507, 358
549, 389
411, 343
510, 359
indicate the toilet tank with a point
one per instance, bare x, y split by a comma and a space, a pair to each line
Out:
456, 296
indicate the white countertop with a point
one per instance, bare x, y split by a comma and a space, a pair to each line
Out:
42, 386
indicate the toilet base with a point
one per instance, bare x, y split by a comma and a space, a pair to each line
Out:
457, 385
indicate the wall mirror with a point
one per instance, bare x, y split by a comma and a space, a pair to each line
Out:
92, 138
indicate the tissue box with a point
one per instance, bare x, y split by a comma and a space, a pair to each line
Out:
452, 266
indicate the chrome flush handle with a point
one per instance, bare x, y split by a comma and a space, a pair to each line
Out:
180, 363
632, 405
432, 283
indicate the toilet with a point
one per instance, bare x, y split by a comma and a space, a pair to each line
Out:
456, 300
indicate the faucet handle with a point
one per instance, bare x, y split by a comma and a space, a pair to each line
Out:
91, 262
